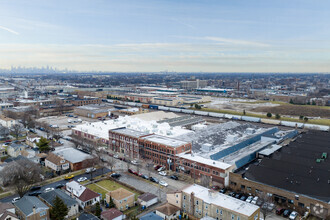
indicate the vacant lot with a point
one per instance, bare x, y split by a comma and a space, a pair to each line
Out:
297, 110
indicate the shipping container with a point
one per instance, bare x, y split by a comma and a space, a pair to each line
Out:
201, 113
250, 119
292, 124
153, 106
270, 121
317, 127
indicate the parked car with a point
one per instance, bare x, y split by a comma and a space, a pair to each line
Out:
249, 199
161, 169
243, 198
215, 188
223, 190
81, 179
68, 177
15, 199
174, 177
270, 207
35, 188
135, 173
254, 200
279, 211
238, 195
134, 162
293, 215
162, 173
91, 169
156, 167
232, 194
145, 177
37, 193
287, 213
153, 179
163, 183
59, 186
49, 189
116, 156
131, 170
115, 175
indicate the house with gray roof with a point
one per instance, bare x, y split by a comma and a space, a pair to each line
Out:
14, 149
49, 197
31, 208
7, 212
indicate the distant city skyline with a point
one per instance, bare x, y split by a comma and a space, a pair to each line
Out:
153, 36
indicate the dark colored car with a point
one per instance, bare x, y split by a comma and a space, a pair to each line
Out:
59, 186
131, 171
238, 195
286, 213
215, 188
223, 190
145, 177
243, 198
174, 177
279, 211
232, 194
115, 175
157, 167
153, 179
35, 193
35, 188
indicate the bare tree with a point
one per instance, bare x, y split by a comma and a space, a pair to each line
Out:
111, 162
266, 199
205, 181
17, 129
4, 132
21, 174
55, 133
149, 166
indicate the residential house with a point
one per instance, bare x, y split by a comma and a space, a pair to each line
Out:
7, 212
31, 208
3, 151
14, 150
112, 214
6, 121
147, 199
168, 211
31, 154
84, 196
71, 203
32, 140
56, 163
151, 216
122, 198
77, 159
87, 216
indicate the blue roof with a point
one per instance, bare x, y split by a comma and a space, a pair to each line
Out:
151, 216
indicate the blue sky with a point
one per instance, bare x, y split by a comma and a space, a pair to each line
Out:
173, 35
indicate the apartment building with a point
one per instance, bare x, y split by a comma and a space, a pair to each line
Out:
199, 202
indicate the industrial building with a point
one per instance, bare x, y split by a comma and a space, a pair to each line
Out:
296, 176
94, 111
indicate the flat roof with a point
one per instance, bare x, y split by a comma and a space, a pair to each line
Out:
271, 149
165, 140
221, 200
71, 154
129, 132
209, 162
295, 167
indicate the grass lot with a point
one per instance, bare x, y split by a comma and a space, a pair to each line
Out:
105, 186
323, 121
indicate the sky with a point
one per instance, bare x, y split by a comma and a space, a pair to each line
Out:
172, 35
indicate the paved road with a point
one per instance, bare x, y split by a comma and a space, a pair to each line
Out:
98, 172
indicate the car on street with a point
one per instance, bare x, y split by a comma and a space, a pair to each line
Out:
174, 177
238, 195
162, 173
37, 193
153, 179
115, 175
243, 198
91, 169
156, 167
35, 188
130, 170
249, 199
15, 199
293, 215
82, 179
223, 190
286, 213
134, 162
161, 169
59, 186
69, 177
163, 183
116, 156
49, 189
145, 177
232, 194
215, 188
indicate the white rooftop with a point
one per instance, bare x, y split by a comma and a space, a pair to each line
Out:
75, 188
155, 116
165, 140
209, 162
101, 129
71, 154
222, 200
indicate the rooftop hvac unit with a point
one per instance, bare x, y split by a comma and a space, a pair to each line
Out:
206, 147
250, 130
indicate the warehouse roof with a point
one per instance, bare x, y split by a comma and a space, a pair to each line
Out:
165, 140
297, 168
71, 154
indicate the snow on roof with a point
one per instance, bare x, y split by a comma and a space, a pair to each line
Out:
72, 155
165, 140
130, 132
75, 188
206, 161
221, 200
101, 129
155, 116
